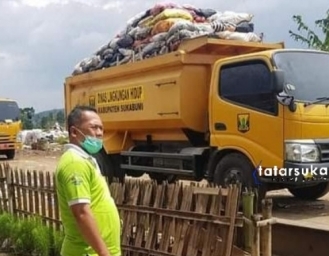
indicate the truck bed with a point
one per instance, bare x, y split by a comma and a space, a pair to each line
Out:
161, 95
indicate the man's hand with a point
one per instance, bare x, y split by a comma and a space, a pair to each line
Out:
88, 228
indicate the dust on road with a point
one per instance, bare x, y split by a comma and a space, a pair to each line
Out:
288, 209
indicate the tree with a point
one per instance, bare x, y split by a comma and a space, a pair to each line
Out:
44, 122
50, 117
60, 118
312, 39
26, 117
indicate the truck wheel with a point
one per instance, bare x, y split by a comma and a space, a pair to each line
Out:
233, 169
312, 192
10, 154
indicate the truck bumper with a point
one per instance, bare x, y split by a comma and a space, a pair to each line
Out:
5, 146
297, 174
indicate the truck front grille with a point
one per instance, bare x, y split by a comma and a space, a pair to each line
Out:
6, 138
323, 145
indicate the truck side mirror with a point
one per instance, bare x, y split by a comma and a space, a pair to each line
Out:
277, 81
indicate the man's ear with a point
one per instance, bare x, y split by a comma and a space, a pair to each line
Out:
73, 131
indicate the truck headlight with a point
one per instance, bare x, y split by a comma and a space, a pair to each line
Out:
302, 151
19, 137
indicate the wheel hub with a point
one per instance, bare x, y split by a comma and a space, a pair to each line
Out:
233, 176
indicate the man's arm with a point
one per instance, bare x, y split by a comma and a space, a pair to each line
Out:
88, 228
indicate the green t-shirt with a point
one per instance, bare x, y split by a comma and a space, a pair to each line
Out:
79, 180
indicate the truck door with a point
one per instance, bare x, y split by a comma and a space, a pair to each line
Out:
244, 112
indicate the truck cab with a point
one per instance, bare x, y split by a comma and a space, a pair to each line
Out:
269, 111
10, 126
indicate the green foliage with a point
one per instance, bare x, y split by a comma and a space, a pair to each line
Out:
29, 236
7, 222
56, 241
44, 120
62, 140
26, 117
47, 119
60, 117
312, 39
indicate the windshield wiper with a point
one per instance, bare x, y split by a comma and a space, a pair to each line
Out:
318, 100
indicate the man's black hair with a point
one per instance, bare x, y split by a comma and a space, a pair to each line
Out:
74, 118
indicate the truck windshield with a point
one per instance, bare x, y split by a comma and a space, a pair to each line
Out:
306, 74
9, 110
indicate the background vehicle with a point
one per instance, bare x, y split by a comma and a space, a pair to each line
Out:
214, 109
10, 126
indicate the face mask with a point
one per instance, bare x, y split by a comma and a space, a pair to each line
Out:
91, 144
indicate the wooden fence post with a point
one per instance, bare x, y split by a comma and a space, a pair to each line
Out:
255, 248
266, 231
248, 211
10, 189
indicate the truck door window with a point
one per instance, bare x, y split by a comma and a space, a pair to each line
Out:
248, 84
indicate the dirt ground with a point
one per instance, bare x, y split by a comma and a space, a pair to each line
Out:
286, 208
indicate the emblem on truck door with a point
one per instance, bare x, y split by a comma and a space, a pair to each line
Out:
243, 122
92, 101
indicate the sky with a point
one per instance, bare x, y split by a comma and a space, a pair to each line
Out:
42, 40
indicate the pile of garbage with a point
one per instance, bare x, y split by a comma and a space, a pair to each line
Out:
38, 139
160, 30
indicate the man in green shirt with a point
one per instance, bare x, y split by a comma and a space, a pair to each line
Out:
88, 212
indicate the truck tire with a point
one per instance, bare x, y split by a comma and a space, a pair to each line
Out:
312, 192
238, 167
10, 154
232, 169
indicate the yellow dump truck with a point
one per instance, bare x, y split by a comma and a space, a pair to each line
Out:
10, 126
226, 111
